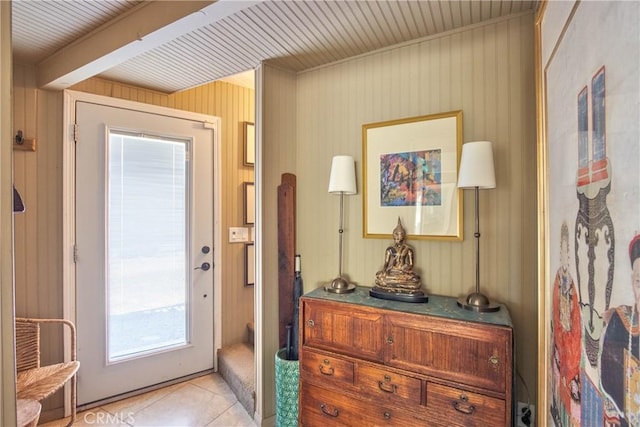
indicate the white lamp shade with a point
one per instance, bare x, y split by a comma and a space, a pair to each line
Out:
343, 175
476, 166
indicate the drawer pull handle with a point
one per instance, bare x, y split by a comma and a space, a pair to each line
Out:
387, 416
328, 372
390, 339
333, 413
311, 323
391, 388
463, 407
494, 361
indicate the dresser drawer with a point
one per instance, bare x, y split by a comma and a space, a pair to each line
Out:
342, 329
384, 385
326, 368
464, 352
321, 407
455, 407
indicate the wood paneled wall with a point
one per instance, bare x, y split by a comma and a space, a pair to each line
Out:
38, 176
278, 153
487, 71
38, 231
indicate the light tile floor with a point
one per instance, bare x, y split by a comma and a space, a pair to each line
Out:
205, 401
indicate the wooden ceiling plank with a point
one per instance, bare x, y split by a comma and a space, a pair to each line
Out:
362, 15
295, 35
315, 47
406, 14
327, 17
212, 64
476, 12
485, 9
341, 15
456, 15
324, 32
423, 14
227, 58
267, 32
435, 12
114, 42
395, 18
33, 20
416, 15
465, 13
239, 29
447, 16
387, 30
189, 47
301, 41
147, 26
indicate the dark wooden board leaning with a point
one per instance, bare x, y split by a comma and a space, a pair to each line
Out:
286, 252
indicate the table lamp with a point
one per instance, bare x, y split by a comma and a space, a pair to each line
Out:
341, 182
477, 172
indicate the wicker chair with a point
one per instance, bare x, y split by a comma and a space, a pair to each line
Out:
39, 382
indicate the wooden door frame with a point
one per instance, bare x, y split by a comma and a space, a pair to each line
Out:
7, 348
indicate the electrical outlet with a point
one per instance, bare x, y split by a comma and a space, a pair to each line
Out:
525, 415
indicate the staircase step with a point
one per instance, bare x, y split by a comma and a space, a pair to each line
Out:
236, 366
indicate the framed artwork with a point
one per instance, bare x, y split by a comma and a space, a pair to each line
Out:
249, 144
249, 203
410, 170
249, 264
588, 85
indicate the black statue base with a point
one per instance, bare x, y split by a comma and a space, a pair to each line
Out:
417, 296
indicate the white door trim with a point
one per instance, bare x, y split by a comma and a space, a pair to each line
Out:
68, 202
258, 309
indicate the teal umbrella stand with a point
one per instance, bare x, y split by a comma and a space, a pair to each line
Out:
287, 374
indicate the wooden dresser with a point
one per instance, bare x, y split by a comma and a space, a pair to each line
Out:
367, 362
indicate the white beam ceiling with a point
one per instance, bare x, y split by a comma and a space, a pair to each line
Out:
145, 27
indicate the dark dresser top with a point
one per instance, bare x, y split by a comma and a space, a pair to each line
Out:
441, 306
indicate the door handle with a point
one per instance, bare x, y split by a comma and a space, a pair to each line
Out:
205, 266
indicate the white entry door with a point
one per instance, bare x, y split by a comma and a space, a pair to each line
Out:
144, 249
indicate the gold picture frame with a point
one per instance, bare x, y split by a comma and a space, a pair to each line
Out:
588, 228
410, 171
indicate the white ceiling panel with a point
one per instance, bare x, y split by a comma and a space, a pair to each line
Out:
41, 28
292, 34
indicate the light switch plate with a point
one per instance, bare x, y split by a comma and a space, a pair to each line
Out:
238, 234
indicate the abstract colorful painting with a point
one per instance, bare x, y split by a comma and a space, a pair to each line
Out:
411, 179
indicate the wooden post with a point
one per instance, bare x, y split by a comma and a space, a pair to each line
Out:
286, 252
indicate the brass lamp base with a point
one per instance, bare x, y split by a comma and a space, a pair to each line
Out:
340, 286
477, 302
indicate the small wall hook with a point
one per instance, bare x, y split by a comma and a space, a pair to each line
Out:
24, 144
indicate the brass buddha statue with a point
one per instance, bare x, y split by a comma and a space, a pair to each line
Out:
397, 280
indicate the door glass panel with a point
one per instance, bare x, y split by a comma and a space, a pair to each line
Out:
147, 245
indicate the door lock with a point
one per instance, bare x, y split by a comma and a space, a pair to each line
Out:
205, 266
